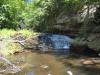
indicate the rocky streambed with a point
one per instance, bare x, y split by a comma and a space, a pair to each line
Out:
30, 62
37, 64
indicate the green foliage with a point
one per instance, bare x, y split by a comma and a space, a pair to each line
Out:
36, 11
7, 33
57, 8
7, 47
39, 15
92, 25
6, 44
26, 33
10, 13
95, 44
79, 42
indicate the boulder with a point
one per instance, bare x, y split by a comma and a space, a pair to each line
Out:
18, 36
88, 62
94, 41
29, 43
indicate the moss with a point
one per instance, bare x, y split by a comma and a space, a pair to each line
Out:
95, 44
78, 42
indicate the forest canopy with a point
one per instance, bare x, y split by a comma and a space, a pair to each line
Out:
44, 15
78, 18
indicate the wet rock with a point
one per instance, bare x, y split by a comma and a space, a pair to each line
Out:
78, 48
49, 74
88, 62
18, 36
94, 41
9, 67
30, 73
44, 49
44, 66
12, 69
84, 50
30, 43
69, 73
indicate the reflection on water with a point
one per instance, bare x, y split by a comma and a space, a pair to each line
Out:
83, 70
37, 64
77, 68
45, 64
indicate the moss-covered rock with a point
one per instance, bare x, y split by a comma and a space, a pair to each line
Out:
30, 43
94, 41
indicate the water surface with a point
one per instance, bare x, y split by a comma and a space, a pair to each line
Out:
47, 64
37, 64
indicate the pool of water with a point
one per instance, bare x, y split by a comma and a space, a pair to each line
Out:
46, 64
37, 64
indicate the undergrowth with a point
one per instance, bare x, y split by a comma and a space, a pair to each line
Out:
6, 35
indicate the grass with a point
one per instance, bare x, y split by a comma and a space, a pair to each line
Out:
8, 47
27, 33
6, 33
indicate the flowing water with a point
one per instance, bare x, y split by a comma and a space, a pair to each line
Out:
59, 44
31, 63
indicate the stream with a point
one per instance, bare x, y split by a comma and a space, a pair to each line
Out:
34, 63
47, 64
37, 64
